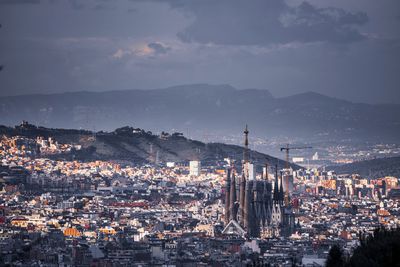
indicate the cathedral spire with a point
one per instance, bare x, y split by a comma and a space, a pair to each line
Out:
227, 195
246, 145
281, 193
233, 197
276, 193
266, 172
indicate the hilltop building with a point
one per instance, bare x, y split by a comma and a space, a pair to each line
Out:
251, 208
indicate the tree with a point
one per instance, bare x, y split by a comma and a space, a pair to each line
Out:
382, 248
335, 257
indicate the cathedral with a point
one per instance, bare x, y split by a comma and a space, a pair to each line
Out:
256, 207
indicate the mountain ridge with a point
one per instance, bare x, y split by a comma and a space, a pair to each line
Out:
218, 109
203, 85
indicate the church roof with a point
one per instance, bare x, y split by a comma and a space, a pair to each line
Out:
233, 228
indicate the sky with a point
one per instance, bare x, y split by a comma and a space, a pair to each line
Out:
348, 49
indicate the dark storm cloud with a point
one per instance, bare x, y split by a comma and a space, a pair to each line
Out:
263, 22
99, 7
331, 47
93, 4
159, 48
16, 2
76, 4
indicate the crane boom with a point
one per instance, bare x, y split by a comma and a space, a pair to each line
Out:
287, 148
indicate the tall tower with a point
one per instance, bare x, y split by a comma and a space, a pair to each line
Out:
281, 191
243, 180
227, 195
232, 200
276, 190
265, 173
246, 145
242, 198
251, 220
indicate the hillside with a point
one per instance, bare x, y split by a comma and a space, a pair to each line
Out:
138, 146
371, 168
216, 109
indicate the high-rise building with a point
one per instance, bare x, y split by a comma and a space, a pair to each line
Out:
251, 171
195, 168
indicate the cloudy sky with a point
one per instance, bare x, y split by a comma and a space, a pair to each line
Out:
343, 48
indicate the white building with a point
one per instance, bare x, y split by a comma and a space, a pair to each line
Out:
250, 171
170, 164
298, 159
195, 167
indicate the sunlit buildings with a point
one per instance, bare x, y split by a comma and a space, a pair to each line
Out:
195, 168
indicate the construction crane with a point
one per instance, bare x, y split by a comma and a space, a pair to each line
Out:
287, 148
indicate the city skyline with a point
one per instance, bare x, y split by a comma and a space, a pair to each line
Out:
105, 212
188, 133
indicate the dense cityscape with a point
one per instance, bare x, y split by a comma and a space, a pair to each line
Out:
194, 133
106, 213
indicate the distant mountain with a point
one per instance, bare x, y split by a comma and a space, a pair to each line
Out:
373, 168
138, 146
216, 109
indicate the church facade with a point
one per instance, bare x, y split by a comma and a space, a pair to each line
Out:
255, 207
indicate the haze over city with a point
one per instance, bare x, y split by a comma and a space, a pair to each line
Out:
199, 133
